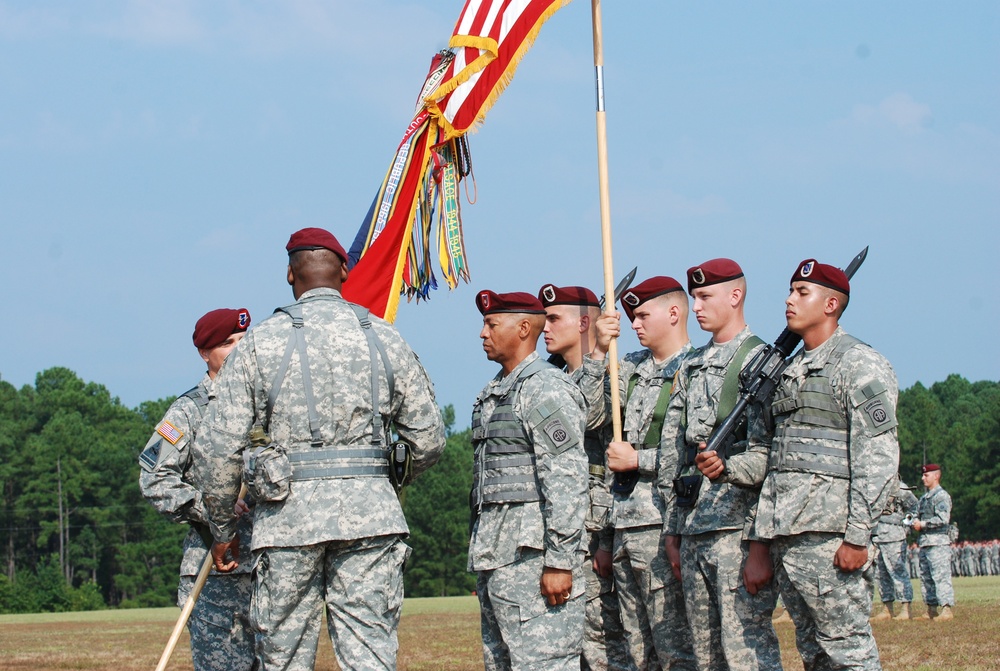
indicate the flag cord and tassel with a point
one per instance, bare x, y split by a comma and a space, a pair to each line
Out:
602, 172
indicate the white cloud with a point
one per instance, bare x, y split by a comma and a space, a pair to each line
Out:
898, 110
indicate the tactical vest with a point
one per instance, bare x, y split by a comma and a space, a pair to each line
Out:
812, 411
317, 459
504, 468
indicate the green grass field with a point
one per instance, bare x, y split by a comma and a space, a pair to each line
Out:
443, 635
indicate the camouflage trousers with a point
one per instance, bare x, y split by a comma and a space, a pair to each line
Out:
830, 608
603, 636
935, 575
652, 602
893, 575
221, 635
521, 632
361, 584
730, 628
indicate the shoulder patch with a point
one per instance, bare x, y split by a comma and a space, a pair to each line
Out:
873, 402
170, 432
558, 434
150, 455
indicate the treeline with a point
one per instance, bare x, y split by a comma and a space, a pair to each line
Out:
76, 534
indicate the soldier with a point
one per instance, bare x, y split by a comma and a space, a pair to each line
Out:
890, 539
827, 473
529, 496
706, 529
221, 637
570, 331
933, 516
652, 602
317, 387
913, 554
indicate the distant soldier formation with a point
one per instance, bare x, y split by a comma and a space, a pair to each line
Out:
603, 537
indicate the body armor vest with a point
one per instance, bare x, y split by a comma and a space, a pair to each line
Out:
812, 411
504, 468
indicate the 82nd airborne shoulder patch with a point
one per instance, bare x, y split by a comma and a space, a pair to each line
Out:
878, 415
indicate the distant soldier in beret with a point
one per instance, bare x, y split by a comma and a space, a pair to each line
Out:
571, 315
652, 604
529, 496
933, 518
221, 636
827, 470
316, 388
707, 526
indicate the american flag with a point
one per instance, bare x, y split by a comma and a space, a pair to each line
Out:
169, 431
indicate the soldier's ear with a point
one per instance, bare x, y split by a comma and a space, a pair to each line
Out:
832, 306
291, 276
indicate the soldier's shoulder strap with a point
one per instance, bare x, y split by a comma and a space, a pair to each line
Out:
731, 383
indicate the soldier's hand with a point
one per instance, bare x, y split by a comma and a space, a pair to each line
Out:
758, 570
622, 456
850, 557
672, 548
917, 525
556, 585
219, 550
608, 327
241, 507
602, 563
709, 463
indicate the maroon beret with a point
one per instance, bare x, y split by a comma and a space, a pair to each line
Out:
315, 238
812, 271
550, 294
651, 288
490, 302
927, 468
215, 326
712, 272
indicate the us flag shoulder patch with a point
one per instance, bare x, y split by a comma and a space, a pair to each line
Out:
169, 431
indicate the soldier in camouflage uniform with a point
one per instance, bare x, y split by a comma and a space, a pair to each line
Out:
221, 636
323, 381
529, 496
707, 530
891, 562
827, 472
652, 603
570, 332
913, 553
933, 516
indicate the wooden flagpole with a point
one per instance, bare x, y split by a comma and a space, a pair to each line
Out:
185, 615
602, 171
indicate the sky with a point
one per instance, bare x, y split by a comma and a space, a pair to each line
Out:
156, 156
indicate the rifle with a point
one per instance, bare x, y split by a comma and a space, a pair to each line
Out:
758, 380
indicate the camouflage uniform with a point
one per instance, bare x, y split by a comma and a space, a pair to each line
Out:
529, 503
913, 554
604, 647
890, 540
829, 469
934, 512
730, 627
335, 523
221, 636
652, 602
